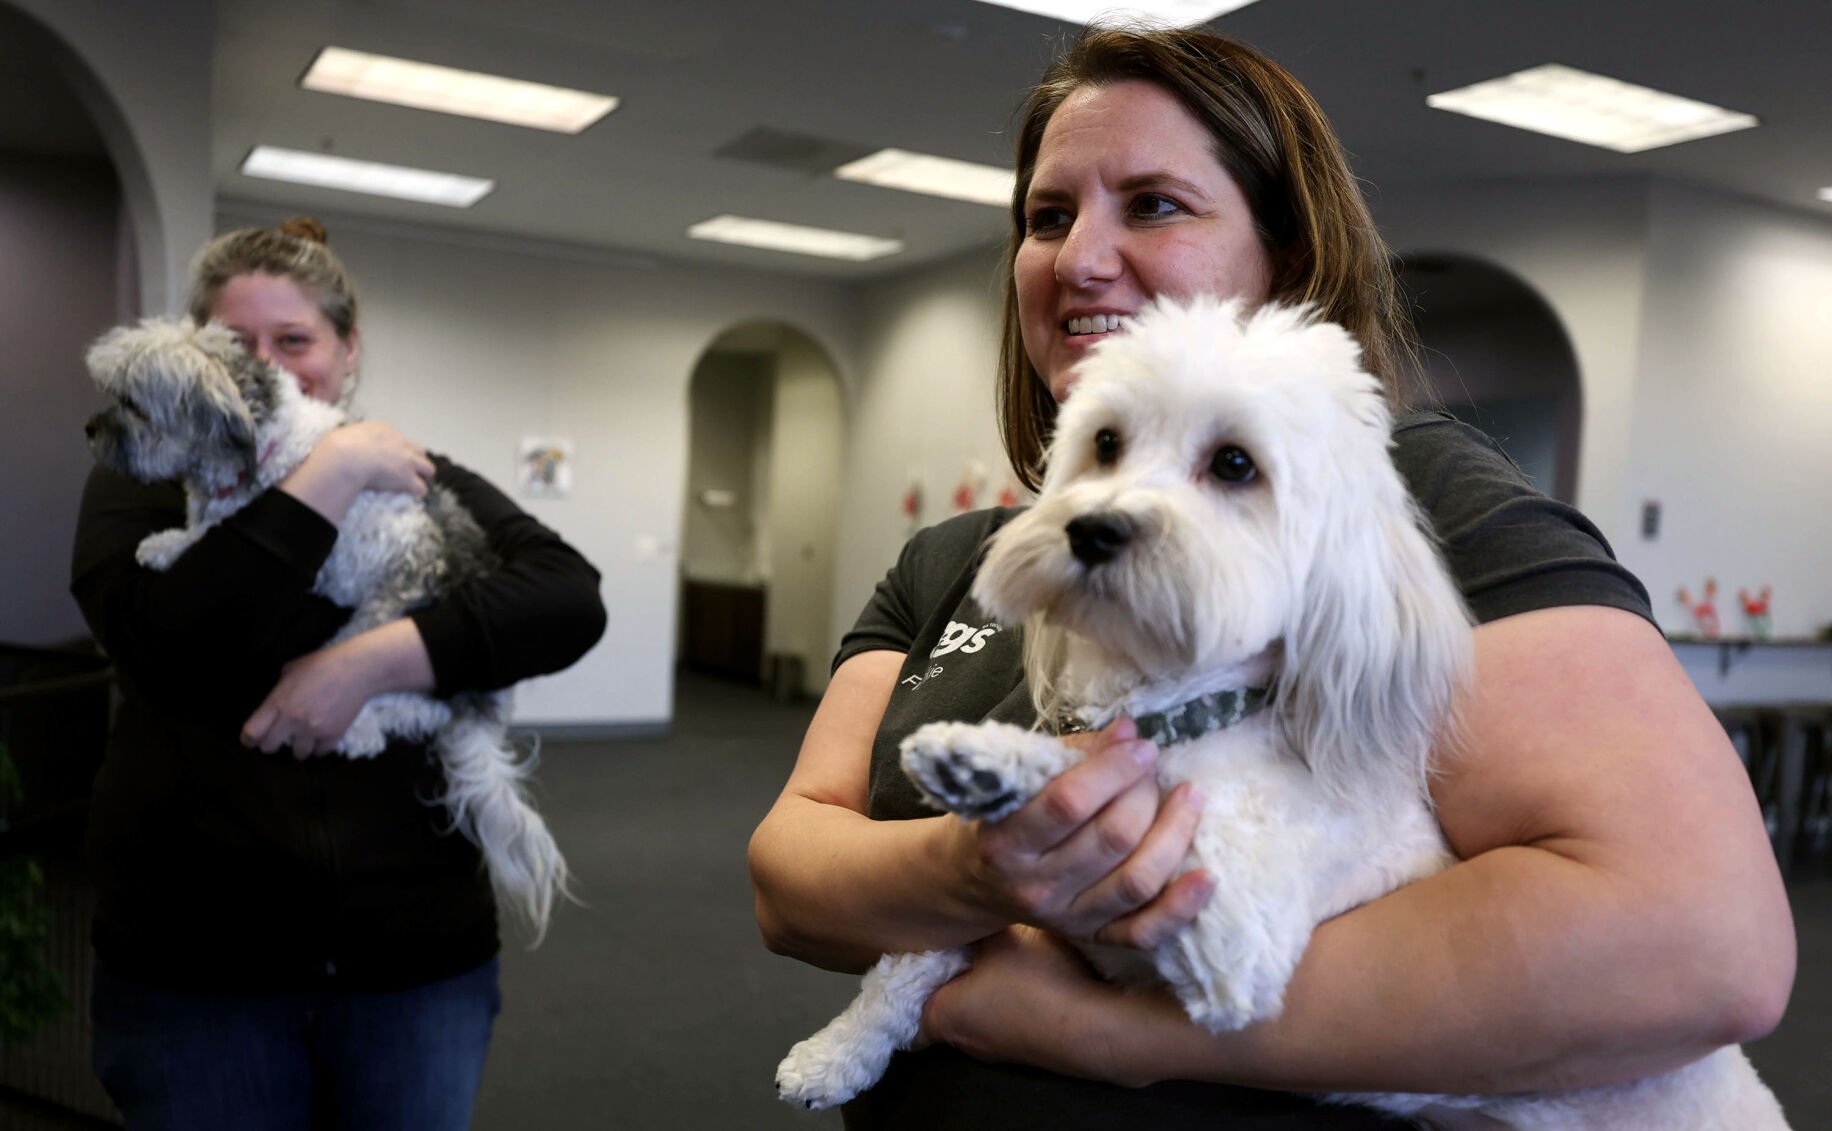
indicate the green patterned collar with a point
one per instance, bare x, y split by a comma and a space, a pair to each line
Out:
1215, 711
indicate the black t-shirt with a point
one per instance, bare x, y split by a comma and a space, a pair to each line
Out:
1509, 547
221, 868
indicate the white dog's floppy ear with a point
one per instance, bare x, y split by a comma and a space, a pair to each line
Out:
1046, 651
1381, 639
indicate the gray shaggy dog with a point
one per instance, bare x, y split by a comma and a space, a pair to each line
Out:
191, 404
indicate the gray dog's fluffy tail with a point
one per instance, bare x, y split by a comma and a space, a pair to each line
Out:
487, 796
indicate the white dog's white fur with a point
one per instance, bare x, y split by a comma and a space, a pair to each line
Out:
1310, 576
191, 404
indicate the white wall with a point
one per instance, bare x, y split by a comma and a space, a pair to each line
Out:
924, 405
1733, 429
145, 74
468, 347
804, 498
1733, 417
1582, 246
1644, 280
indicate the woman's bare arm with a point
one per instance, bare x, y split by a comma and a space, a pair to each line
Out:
1093, 853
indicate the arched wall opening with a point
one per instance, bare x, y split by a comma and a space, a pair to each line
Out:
70, 270
1497, 356
65, 97
760, 517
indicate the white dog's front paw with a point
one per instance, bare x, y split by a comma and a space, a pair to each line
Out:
851, 1053
365, 738
817, 1074
1226, 1008
982, 770
158, 551
394, 715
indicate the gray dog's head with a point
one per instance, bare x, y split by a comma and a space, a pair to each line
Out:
187, 398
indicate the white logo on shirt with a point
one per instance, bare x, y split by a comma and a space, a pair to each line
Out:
963, 638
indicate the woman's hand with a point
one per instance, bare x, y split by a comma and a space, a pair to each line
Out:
1094, 855
371, 455
319, 694
1029, 998
378, 457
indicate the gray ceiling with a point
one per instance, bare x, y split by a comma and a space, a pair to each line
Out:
943, 76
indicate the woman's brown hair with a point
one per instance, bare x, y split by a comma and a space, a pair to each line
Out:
298, 250
1273, 140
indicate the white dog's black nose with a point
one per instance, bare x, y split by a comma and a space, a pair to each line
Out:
1099, 537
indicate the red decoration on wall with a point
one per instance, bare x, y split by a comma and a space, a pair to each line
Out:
1704, 611
973, 480
1755, 610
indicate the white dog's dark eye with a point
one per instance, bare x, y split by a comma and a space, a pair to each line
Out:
1106, 446
1232, 465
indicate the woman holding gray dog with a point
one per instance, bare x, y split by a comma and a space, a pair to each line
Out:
1616, 912
296, 941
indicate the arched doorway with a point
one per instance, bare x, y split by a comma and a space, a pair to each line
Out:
1497, 356
67, 274
759, 520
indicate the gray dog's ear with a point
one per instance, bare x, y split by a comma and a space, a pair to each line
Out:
256, 382
217, 404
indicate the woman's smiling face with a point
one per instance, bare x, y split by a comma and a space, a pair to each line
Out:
281, 324
1127, 202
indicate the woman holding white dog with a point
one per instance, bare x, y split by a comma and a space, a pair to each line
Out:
1617, 911
287, 940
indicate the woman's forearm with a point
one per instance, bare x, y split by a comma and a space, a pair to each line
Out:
394, 658
326, 484
836, 889
1519, 970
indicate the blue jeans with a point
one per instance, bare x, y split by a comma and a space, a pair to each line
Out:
411, 1060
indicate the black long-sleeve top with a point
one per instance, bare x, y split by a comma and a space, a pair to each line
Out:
224, 868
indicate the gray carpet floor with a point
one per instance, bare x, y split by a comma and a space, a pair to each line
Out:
656, 1004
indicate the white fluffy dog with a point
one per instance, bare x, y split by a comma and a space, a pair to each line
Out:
191, 404
1224, 551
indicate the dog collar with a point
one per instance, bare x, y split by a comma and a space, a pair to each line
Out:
1202, 715
241, 477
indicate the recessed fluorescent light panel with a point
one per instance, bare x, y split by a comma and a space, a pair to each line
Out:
936, 176
403, 82
792, 237
1594, 109
1172, 13
325, 171
1825, 194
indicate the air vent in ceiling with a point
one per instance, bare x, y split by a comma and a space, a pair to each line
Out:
792, 152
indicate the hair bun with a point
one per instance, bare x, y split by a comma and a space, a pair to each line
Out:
306, 228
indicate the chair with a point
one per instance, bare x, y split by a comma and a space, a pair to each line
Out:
1810, 726
1787, 749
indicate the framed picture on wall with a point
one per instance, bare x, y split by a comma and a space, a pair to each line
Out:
544, 470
